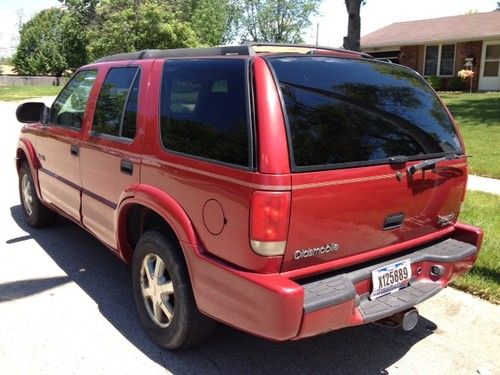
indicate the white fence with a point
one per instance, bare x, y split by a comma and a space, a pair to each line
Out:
14, 80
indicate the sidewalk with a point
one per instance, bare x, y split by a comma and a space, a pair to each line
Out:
485, 184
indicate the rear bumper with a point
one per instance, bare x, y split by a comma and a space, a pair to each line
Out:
278, 308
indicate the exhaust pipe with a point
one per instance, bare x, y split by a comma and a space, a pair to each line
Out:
407, 320
410, 319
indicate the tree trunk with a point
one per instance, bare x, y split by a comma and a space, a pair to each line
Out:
351, 41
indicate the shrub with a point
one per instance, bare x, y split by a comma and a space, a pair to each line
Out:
436, 82
454, 84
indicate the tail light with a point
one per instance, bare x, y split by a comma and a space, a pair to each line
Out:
269, 217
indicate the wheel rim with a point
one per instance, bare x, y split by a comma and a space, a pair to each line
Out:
157, 290
27, 191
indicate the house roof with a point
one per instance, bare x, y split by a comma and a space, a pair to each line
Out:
466, 27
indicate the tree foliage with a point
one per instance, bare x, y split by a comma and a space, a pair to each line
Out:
40, 50
126, 25
60, 39
276, 20
215, 21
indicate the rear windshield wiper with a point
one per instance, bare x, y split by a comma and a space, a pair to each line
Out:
430, 163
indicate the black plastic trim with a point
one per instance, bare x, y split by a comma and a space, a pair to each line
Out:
180, 52
100, 199
401, 300
336, 289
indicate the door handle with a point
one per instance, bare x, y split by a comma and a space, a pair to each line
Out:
75, 150
127, 167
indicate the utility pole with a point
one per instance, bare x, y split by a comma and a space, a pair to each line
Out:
317, 33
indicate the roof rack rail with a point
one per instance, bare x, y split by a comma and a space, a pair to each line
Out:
259, 47
248, 49
243, 50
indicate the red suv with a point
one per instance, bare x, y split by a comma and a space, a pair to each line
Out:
283, 190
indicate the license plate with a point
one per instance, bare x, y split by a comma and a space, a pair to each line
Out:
390, 278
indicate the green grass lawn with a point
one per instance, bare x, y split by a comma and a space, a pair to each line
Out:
10, 93
478, 116
483, 210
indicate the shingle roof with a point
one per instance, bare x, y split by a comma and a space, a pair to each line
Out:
457, 28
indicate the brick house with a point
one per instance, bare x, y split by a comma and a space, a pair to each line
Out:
443, 46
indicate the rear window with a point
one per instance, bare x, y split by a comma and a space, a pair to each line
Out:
204, 111
345, 112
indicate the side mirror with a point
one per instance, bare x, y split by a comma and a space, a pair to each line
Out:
32, 112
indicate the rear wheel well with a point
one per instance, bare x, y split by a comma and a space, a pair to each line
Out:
141, 219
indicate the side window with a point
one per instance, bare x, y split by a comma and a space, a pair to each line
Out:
69, 106
204, 109
116, 109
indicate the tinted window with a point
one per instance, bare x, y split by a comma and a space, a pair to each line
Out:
116, 108
69, 106
204, 109
352, 111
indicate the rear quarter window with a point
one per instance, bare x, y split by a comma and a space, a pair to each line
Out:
348, 112
204, 110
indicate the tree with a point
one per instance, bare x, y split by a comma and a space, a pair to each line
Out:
276, 20
83, 10
39, 50
498, 5
80, 17
215, 21
132, 25
351, 41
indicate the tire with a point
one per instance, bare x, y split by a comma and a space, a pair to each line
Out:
37, 214
163, 294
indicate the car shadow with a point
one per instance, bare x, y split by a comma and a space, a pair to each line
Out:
367, 349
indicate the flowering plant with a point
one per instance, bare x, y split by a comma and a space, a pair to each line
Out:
465, 73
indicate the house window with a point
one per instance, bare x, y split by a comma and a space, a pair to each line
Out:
447, 60
439, 60
431, 60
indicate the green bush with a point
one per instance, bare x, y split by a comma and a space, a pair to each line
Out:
436, 82
454, 84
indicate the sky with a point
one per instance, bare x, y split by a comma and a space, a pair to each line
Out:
376, 14
332, 19
9, 18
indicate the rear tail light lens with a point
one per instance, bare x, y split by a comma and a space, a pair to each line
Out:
269, 217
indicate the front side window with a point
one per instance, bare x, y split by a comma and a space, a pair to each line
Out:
204, 109
349, 112
439, 60
69, 107
116, 109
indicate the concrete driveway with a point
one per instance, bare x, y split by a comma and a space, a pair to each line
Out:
66, 307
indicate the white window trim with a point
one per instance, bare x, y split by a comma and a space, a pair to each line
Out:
438, 69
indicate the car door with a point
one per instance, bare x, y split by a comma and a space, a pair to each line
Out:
58, 145
111, 147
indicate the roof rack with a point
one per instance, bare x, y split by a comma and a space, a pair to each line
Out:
248, 49
263, 47
180, 52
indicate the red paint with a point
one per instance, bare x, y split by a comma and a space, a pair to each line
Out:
273, 145
230, 281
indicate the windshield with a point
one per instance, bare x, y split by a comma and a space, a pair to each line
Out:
357, 112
